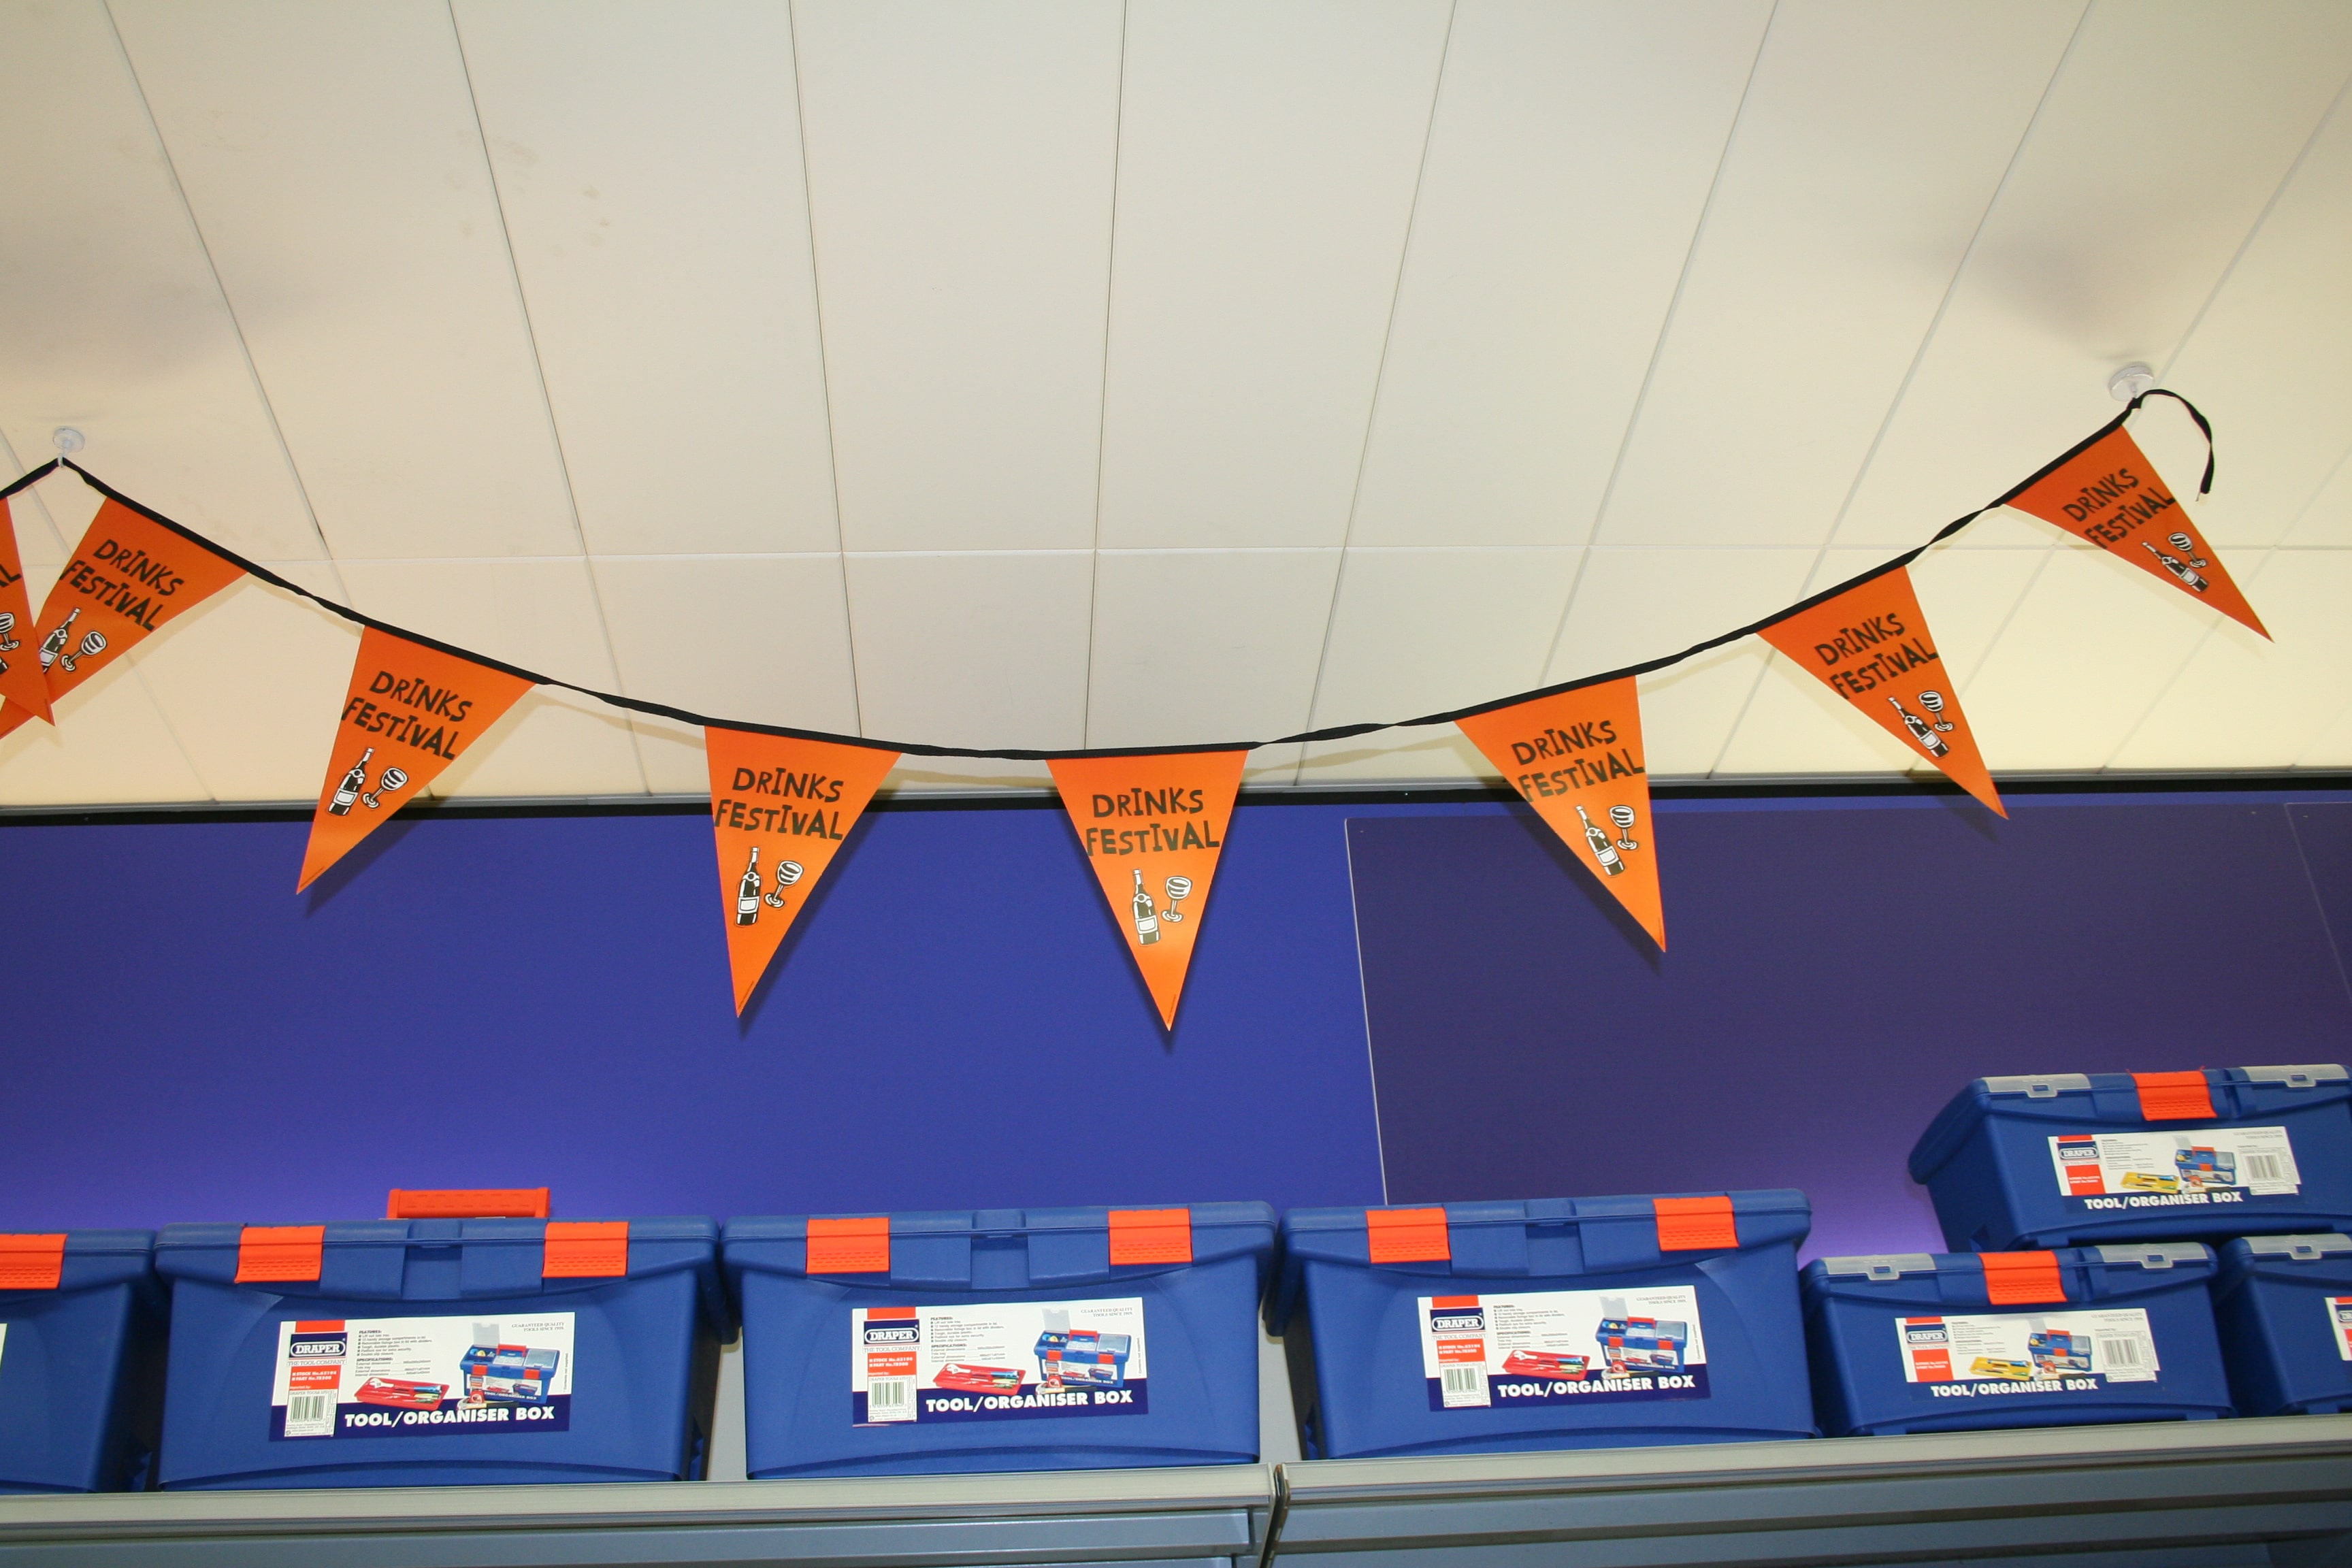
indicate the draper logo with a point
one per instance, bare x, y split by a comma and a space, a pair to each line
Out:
2077, 1151
315, 1347
1928, 1333
1458, 1320
893, 1331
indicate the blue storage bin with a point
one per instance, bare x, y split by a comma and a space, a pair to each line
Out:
440, 1351
2284, 1306
1949, 1342
1551, 1323
1000, 1339
81, 1361
2069, 1158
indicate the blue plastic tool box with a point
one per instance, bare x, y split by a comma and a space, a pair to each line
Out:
1000, 1339
81, 1361
1550, 1323
2069, 1158
2284, 1306
440, 1351
1946, 1342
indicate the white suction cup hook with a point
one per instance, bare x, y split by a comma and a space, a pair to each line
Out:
2131, 381
68, 440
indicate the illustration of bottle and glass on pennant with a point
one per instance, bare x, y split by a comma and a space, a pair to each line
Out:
354, 790
2185, 565
1607, 852
1928, 731
59, 648
1149, 915
748, 894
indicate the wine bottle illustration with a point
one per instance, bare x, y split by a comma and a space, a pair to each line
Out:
1146, 922
55, 642
348, 792
1935, 745
747, 892
2177, 567
1612, 863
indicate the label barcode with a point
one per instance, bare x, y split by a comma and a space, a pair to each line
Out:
2264, 1168
2120, 1354
306, 1408
1464, 1379
890, 1399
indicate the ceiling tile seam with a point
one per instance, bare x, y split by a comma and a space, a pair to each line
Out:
2212, 628
1918, 358
228, 306
1102, 391
2312, 500
8, 450
1967, 677
539, 373
2254, 231
1658, 345
1380, 375
825, 368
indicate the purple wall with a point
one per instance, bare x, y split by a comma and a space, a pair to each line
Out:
1837, 970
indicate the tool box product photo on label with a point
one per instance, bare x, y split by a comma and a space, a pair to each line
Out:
2070, 1159
2285, 1307
441, 1352
1000, 1339
1948, 1342
1548, 1323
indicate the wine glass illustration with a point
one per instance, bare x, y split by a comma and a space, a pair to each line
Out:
1179, 887
1933, 702
1622, 815
8, 643
2188, 547
93, 643
787, 873
387, 783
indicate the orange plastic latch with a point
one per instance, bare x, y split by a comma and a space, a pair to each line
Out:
1407, 1235
586, 1250
281, 1254
849, 1245
1150, 1236
2014, 1278
32, 1262
1695, 1224
2174, 1097
470, 1203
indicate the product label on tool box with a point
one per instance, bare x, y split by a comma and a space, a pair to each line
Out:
1562, 1347
2175, 1170
419, 1377
2339, 1323
996, 1362
2027, 1352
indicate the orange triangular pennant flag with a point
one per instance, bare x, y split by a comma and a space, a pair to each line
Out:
1871, 646
128, 577
20, 668
411, 711
2110, 494
1577, 758
779, 808
1153, 828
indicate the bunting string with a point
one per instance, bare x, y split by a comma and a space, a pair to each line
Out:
1331, 732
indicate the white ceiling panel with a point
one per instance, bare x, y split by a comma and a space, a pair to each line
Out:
2244, 702
112, 321
780, 656
1439, 753
2094, 642
679, 345
2326, 518
2334, 747
1267, 161
960, 166
2269, 362
1851, 186
50, 519
1570, 153
959, 776
549, 740
539, 614
251, 682
1689, 710
336, 171
1634, 605
1198, 645
2109, 237
109, 746
986, 649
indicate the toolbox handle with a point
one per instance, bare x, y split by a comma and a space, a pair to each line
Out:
32, 1262
467, 1202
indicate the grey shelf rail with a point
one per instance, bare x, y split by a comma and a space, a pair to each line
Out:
2233, 1494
